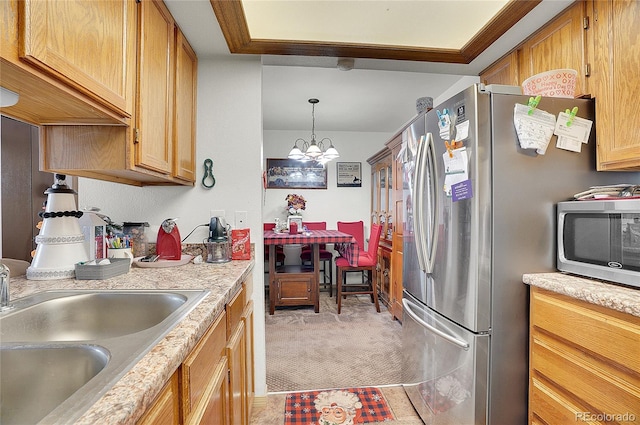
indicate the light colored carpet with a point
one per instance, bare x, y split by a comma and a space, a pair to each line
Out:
310, 351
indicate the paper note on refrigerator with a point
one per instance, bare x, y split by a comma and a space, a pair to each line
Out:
572, 136
456, 168
534, 130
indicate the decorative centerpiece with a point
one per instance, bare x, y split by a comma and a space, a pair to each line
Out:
295, 204
60, 242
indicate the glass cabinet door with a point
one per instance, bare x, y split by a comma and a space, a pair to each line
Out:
383, 195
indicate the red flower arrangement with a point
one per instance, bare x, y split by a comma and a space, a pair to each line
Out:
295, 204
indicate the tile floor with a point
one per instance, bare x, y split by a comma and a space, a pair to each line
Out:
273, 412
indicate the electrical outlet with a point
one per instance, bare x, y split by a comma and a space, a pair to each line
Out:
241, 219
217, 213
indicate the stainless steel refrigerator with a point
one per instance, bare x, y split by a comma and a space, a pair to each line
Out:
474, 223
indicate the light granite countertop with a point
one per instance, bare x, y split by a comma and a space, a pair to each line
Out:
616, 297
128, 399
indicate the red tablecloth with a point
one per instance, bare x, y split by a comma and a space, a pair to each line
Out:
345, 244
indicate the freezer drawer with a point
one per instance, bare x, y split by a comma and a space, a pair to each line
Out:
445, 367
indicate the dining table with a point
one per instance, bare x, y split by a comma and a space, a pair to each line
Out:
298, 285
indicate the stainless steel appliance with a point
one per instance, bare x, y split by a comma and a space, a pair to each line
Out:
465, 315
600, 239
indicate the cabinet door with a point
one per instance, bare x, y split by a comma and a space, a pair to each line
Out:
396, 277
505, 71
198, 370
236, 354
166, 409
294, 289
216, 408
560, 44
87, 44
156, 38
184, 140
594, 369
247, 319
616, 72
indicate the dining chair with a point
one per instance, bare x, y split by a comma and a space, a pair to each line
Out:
326, 257
367, 261
279, 249
355, 229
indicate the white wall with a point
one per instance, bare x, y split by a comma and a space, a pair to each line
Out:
334, 203
229, 131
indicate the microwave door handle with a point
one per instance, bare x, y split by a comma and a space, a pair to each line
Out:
434, 199
451, 338
559, 238
418, 220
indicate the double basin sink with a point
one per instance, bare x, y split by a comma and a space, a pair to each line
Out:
60, 351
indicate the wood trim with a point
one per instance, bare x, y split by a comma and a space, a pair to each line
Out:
231, 18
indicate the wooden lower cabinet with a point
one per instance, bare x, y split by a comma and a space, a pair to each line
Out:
216, 408
166, 408
584, 362
250, 386
396, 277
197, 371
215, 383
293, 286
384, 275
236, 353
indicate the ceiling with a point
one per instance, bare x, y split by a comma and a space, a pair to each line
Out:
457, 38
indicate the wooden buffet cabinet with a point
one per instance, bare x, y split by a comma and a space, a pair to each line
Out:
118, 105
382, 214
584, 362
599, 39
387, 210
215, 383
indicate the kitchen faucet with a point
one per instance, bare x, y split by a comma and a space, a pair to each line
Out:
4, 288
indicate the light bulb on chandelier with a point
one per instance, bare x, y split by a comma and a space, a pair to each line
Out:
313, 151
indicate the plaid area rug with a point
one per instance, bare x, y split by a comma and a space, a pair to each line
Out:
347, 406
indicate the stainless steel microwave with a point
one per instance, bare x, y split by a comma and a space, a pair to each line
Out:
600, 239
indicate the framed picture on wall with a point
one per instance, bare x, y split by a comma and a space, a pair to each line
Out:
349, 174
293, 174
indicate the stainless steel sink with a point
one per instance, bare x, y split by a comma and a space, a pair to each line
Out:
47, 374
85, 341
87, 316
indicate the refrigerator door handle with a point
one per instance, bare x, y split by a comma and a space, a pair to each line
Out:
454, 339
426, 157
434, 201
418, 221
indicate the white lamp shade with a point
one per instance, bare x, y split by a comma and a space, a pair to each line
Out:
313, 151
331, 153
296, 153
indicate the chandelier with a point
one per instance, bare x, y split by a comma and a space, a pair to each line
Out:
313, 151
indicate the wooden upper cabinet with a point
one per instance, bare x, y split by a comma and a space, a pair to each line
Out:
87, 44
559, 44
154, 117
61, 79
159, 147
505, 71
616, 72
184, 139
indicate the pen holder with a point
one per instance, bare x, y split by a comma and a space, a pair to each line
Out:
120, 253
